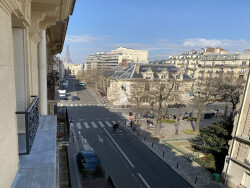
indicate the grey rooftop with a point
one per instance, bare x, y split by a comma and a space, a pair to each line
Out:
38, 169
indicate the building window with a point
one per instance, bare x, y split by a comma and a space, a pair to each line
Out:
222, 63
233, 63
146, 87
163, 76
241, 76
148, 77
212, 64
204, 63
177, 76
242, 70
244, 63
176, 87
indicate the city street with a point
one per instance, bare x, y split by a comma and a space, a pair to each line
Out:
125, 159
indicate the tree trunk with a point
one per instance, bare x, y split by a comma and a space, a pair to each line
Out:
197, 123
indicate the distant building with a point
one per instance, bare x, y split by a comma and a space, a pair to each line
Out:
124, 81
108, 61
236, 170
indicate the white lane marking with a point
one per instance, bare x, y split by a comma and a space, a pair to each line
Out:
136, 179
101, 124
71, 104
86, 125
143, 180
80, 104
114, 122
94, 125
119, 149
78, 125
76, 104
108, 123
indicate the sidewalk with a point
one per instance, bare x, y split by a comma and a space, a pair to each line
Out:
193, 173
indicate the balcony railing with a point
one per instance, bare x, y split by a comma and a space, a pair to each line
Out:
28, 127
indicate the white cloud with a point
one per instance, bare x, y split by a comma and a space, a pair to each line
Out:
202, 42
231, 45
82, 38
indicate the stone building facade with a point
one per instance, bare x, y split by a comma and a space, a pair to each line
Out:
145, 77
236, 170
31, 33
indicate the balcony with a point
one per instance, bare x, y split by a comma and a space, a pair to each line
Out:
28, 122
210, 71
241, 72
230, 72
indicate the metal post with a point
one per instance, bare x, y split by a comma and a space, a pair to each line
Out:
152, 144
163, 153
138, 133
177, 165
195, 180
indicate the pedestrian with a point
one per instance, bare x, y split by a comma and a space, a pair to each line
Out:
125, 122
131, 123
176, 128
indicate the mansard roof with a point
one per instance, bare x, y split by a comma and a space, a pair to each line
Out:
131, 73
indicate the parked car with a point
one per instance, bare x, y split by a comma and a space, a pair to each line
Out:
176, 105
64, 98
75, 98
87, 160
81, 84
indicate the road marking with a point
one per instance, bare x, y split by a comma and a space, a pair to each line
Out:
80, 104
114, 122
76, 104
101, 124
136, 179
71, 104
86, 125
94, 125
78, 125
108, 124
119, 149
143, 180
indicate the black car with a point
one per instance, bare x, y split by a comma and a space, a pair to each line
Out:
75, 98
64, 98
87, 160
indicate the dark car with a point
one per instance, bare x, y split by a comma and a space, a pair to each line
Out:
176, 105
87, 160
75, 98
64, 98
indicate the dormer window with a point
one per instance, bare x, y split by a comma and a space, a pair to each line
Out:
163, 76
148, 77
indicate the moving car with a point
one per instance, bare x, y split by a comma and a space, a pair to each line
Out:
87, 160
75, 98
64, 98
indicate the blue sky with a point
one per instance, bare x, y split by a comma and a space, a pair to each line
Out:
163, 27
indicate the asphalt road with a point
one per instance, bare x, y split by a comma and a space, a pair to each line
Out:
125, 159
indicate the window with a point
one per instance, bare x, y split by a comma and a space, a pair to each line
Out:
204, 63
233, 63
241, 76
177, 76
146, 87
176, 87
242, 70
148, 77
212, 64
163, 76
244, 63
222, 63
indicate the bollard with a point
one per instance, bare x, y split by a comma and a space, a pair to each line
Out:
138, 133
163, 153
144, 138
177, 165
152, 144
73, 139
195, 180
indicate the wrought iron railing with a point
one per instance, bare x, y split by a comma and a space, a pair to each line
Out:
30, 128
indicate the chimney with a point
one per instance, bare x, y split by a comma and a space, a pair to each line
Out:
124, 64
137, 68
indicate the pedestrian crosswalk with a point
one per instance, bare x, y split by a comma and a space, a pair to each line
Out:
94, 124
71, 105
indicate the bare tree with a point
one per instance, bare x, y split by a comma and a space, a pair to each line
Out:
160, 94
229, 88
203, 91
139, 96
